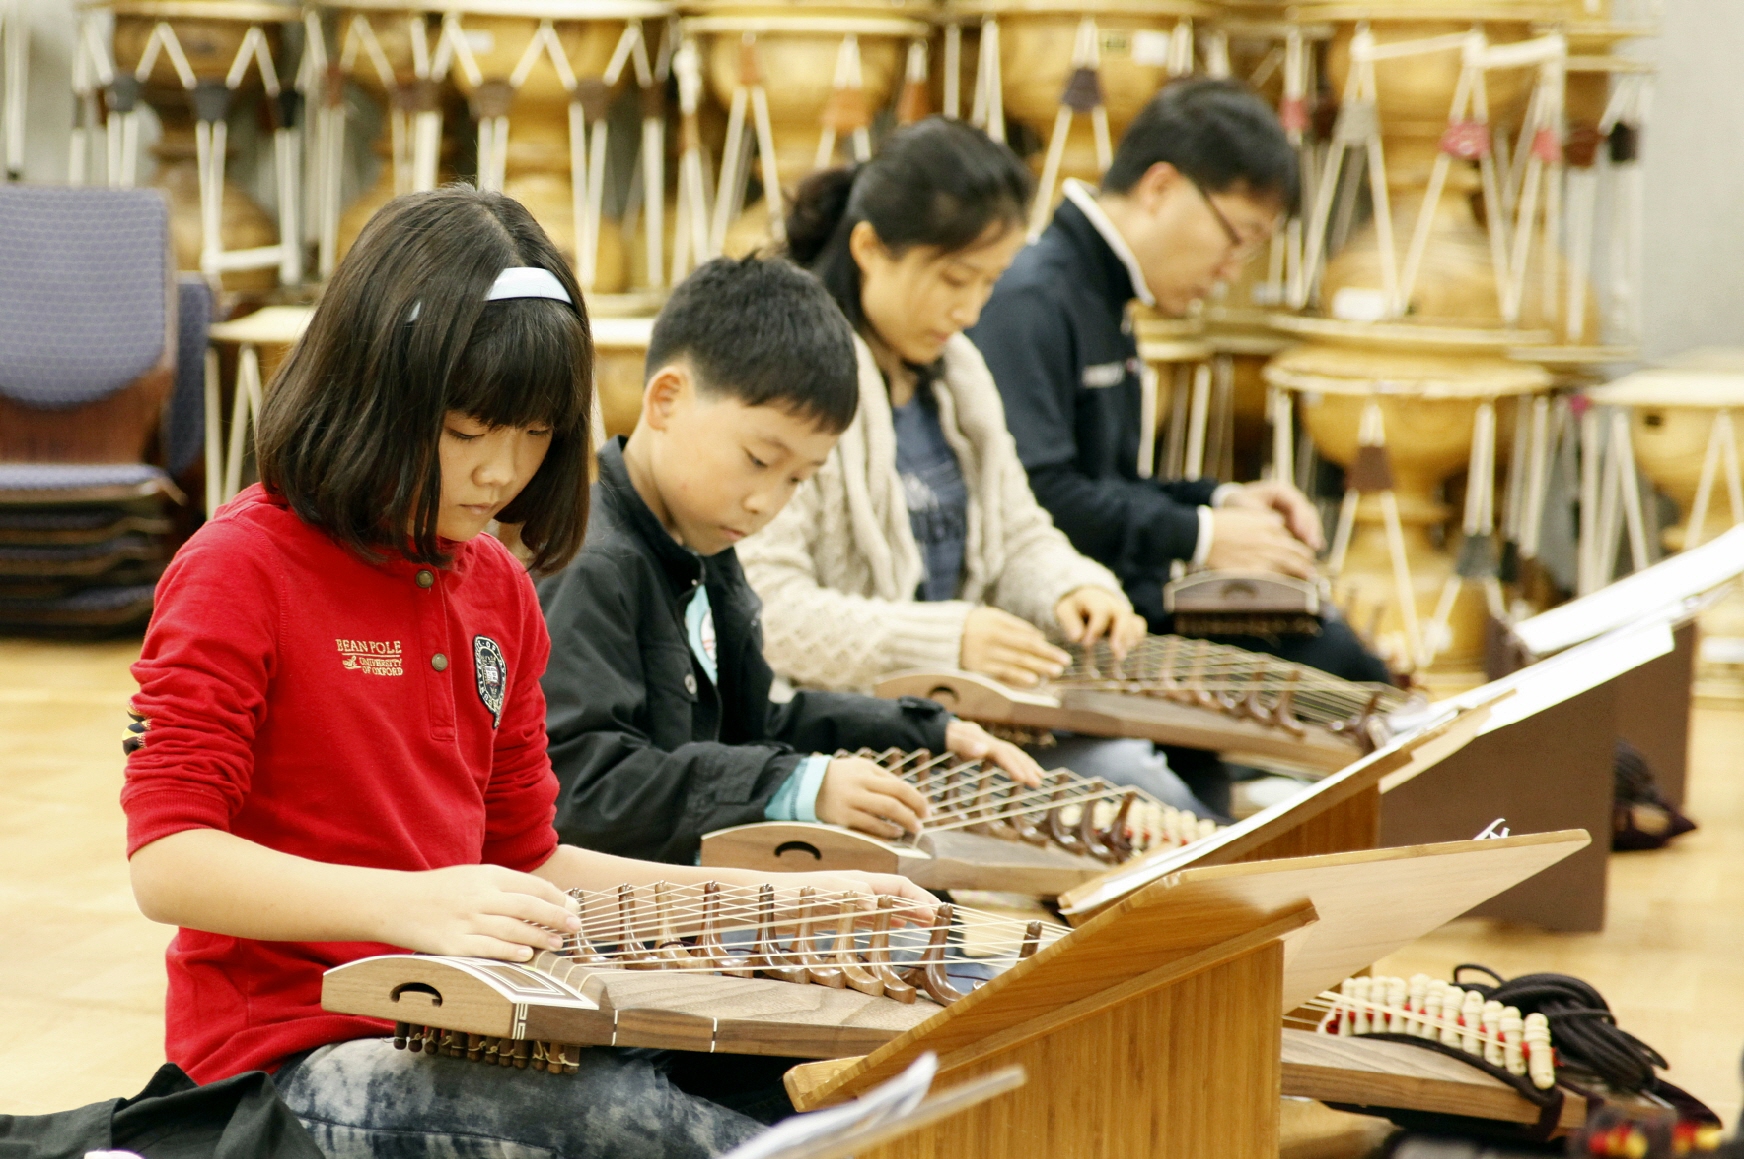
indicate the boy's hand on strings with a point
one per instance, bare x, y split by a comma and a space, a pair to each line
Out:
1090, 613
857, 794
1012, 651
972, 742
483, 911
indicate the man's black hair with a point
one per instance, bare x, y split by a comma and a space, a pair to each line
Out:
765, 332
1218, 133
349, 432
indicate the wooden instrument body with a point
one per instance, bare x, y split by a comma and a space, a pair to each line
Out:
1394, 1075
1153, 1029
953, 859
1098, 712
558, 1000
1241, 591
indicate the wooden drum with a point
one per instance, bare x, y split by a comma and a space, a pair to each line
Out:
1404, 423
802, 81
1075, 72
540, 77
190, 60
390, 50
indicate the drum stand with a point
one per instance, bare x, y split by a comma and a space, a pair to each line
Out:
589, 102
731, 195
1610, 485
211, 102
14, 61
415, 118
1372, 474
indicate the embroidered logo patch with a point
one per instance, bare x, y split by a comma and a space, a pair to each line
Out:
493, 675
376, 657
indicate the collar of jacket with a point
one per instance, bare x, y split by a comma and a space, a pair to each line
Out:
683, 567
1104, 271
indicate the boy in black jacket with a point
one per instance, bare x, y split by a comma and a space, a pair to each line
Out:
658, 712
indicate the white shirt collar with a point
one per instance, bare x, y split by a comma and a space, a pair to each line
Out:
1084, 198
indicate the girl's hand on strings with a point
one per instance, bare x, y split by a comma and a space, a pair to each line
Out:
972, 742
1090, 613
481, 911
857, 794
1011, 650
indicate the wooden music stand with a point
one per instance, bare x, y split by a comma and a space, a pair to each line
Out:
842, 1144
1652, 709
1543, 761
1153, 1029
1337, 814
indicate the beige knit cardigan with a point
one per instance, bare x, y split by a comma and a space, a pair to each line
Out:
837, 570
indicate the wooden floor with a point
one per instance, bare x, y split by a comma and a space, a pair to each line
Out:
82, 980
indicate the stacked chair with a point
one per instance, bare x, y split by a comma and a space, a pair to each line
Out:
93, 327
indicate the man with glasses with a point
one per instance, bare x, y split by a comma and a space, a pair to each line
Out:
1198, 184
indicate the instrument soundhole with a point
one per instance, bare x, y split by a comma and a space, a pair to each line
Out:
944, 694
429, 993
787, 847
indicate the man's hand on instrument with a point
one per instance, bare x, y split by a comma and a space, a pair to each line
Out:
1011, 650
481, 911
857, 794
973, 742
1089, 614
1300, 517
1243, 539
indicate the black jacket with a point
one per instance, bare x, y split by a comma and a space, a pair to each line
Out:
649, 754
1057, 338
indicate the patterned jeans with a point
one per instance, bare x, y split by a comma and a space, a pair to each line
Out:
363, 1099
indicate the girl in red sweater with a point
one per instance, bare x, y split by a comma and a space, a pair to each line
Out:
340, 731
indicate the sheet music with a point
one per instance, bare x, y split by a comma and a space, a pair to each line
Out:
1668, 582
801, 1135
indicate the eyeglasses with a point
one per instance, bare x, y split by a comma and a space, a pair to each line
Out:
1241, 249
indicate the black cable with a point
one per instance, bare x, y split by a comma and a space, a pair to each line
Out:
1583, 1029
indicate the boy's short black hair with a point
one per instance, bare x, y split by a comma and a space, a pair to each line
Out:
1217, 133
350, 429
765, 332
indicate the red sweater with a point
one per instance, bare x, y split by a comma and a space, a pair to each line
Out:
346, 712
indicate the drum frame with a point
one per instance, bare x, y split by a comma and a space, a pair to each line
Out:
750, 100
14, 63
435, 58
94, 66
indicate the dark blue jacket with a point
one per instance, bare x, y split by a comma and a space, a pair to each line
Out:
1057, 338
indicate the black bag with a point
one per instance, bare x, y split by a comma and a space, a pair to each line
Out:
1642, 819
241, 1117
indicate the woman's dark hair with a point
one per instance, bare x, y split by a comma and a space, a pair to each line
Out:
1218, 133
936, 183
349, 432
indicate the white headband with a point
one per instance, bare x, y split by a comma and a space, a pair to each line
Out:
519, 282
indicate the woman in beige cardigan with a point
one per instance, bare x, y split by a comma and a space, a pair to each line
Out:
918, 542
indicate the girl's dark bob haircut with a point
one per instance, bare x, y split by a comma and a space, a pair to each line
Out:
349, 431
